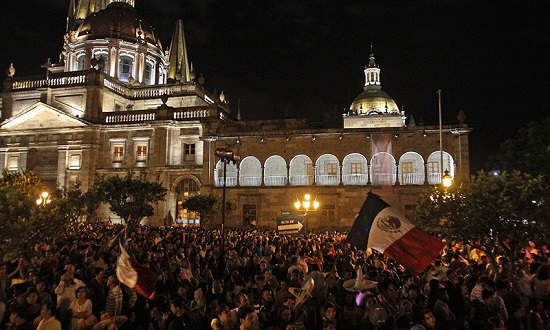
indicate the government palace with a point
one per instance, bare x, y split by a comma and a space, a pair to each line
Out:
118, 101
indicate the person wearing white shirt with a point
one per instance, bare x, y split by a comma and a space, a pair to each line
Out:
65, 291
81, 309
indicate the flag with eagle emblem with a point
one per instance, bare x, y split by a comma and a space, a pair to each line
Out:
381, 227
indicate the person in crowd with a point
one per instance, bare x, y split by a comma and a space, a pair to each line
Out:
198, 304
81, 310
47, 317
66, 289
98, 291
482, 309
427, 319
329, 313
408, 280
113, 303
43, 293
444, 317
181, 319
541, 285
329, 325
19, 319
32, 303
242, 301
522, 286
248, 319
405, 318
222, 320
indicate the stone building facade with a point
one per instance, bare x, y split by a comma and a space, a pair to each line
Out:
117, 101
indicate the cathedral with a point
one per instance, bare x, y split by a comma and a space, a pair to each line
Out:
119, 101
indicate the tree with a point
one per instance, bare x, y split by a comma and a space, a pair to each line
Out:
23, 222
91, 200
498, 214
440, 209
131, 197
528, 151
207, 206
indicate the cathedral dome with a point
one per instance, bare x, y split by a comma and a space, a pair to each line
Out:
118, 20
373, 99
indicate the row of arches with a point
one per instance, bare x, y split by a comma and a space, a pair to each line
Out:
327, 170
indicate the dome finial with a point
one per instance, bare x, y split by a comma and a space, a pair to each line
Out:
372, 64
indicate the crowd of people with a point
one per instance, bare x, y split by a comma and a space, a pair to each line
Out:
261, 280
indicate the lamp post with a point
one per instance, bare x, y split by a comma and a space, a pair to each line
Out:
43, 199
306, 206
440, 137
226, 156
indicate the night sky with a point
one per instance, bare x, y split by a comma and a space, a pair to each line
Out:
489, 58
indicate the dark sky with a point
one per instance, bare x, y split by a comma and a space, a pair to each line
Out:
489, 58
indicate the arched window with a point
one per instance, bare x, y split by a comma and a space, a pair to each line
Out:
126, 68
275, 171
411, 169
382, 170
250, 172
105, 56
231, 177
327, 170
434, 166
148, 74
301, 171
355, 170
80, 60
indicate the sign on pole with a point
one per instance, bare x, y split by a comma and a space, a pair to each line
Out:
290, 225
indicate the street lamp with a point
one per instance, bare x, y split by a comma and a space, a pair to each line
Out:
306, 206
43, 199
226, 156
446, 180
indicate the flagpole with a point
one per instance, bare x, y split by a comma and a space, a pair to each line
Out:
440, 139
223, 204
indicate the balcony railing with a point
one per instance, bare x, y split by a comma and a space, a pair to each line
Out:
327, 179
150, 115
129, 117
383, 179
434, 178
412, 178
301, 180
250, 181
68, 79
191, 114
276, 180
230, 181
142, 92
355, 179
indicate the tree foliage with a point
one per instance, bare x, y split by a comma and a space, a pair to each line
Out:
131, 197
499, 214
208, 206
23, 222
528, 151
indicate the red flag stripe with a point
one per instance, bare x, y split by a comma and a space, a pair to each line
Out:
146, 280
136, 276
415, 250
